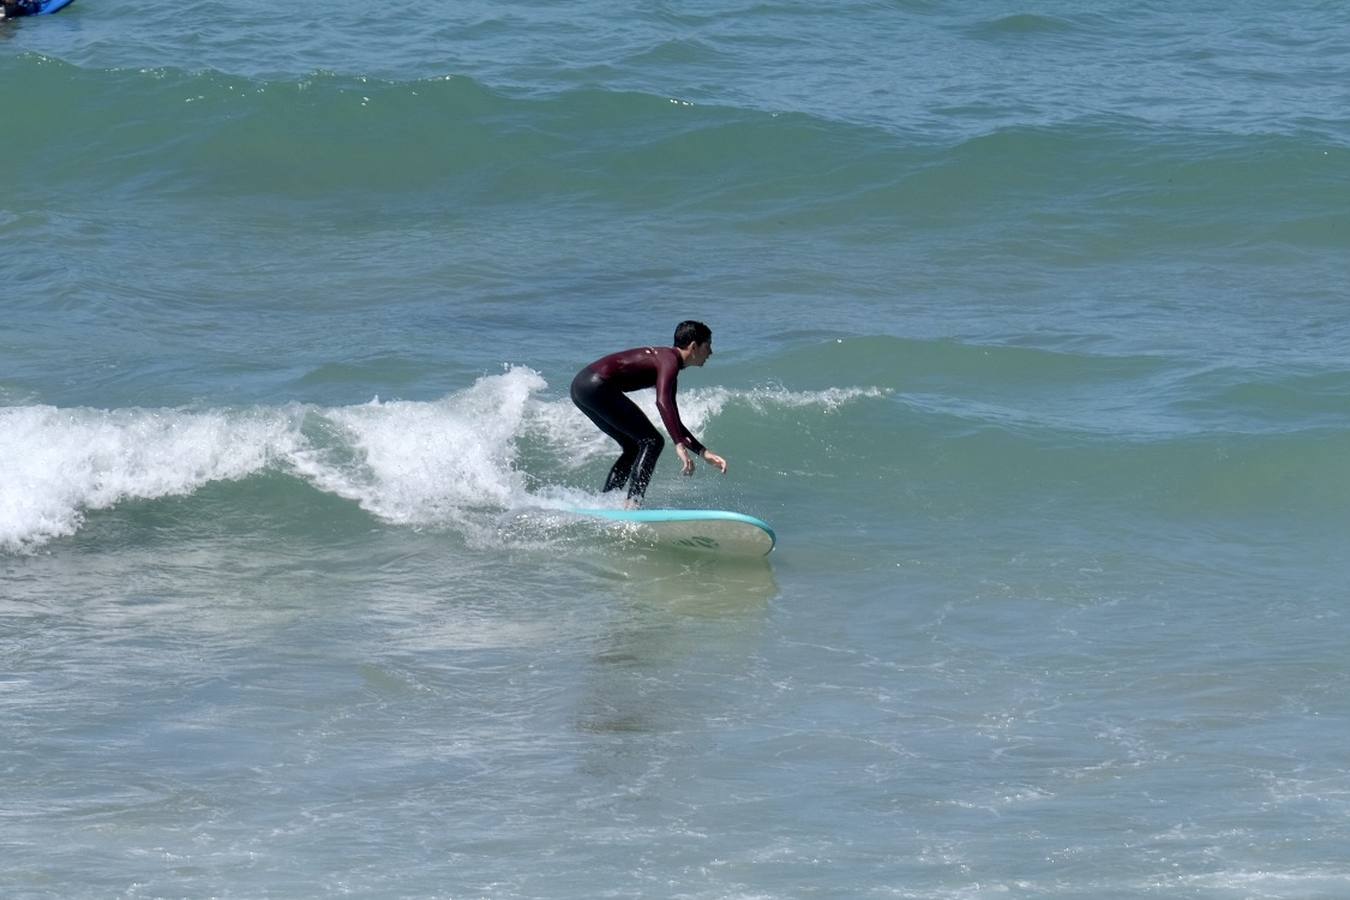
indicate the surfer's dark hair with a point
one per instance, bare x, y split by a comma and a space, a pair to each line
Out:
691, 332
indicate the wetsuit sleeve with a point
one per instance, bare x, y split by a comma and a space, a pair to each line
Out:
668, 369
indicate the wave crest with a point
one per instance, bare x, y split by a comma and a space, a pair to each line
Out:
496, 445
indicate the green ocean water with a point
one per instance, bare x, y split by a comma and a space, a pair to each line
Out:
1030, 344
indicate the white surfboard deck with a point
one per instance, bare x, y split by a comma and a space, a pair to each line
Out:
706, 530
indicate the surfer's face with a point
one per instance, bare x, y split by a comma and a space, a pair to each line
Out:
699, 355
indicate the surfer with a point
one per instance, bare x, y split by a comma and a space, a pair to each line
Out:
598, 391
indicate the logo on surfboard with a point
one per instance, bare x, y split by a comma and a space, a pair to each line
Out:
698, 542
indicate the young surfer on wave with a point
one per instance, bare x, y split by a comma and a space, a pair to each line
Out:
599, 389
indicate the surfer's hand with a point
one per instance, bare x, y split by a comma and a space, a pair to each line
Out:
713, 459
687, 464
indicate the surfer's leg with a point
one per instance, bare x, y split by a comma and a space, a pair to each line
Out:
618, 474
648, 451
620, 418
641, 442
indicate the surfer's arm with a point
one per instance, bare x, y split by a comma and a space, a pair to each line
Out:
667, 369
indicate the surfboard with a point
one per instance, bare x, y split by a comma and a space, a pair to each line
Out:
51, 6
704, 530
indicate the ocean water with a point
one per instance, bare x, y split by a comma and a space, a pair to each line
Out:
1031, 341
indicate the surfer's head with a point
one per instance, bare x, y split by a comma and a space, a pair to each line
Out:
694, 341
691, 332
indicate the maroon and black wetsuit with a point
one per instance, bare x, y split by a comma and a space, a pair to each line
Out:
598, 391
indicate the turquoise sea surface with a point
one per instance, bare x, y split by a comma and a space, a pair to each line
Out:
1032, 344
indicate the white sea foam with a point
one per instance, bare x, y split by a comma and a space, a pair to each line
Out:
403, 461
61, 462
419, 462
